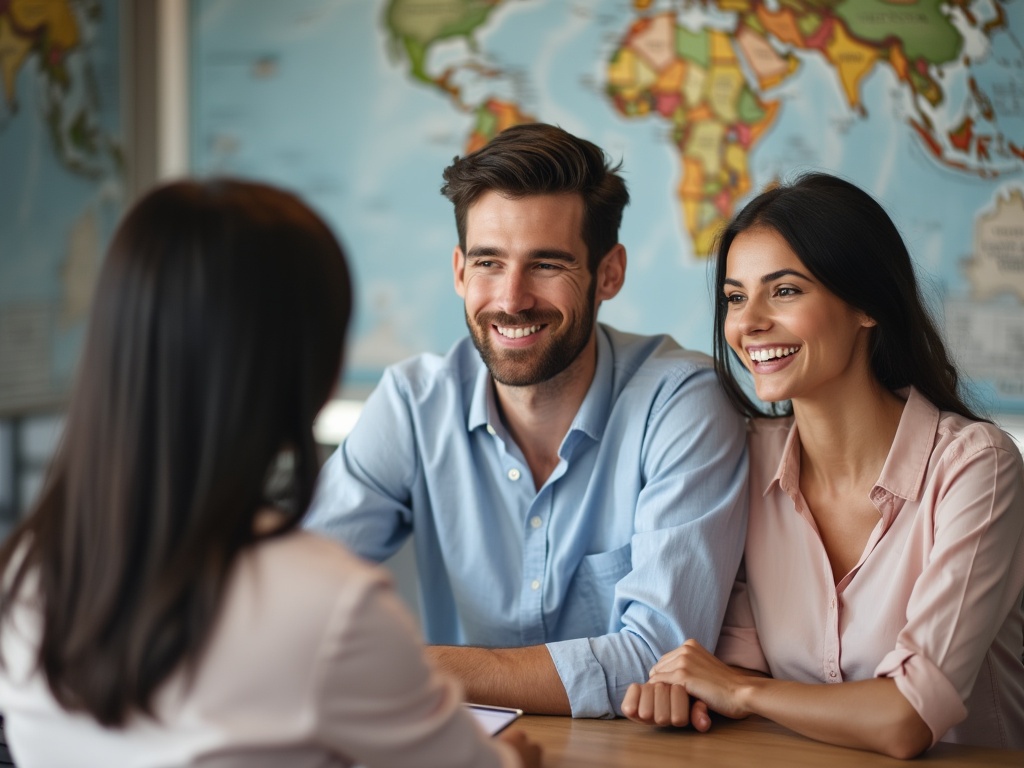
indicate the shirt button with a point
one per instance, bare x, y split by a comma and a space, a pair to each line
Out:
535, 521
832, 673
832, 603
535, 585
491, 430
513, 474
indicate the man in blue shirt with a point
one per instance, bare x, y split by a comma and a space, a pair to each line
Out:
577, 494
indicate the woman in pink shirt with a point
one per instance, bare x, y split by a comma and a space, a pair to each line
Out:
159, 606
880, 601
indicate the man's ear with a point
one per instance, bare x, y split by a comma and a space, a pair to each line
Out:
459, 270
611, 273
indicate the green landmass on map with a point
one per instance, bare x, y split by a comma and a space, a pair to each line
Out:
697, 81
416, 25
46, 34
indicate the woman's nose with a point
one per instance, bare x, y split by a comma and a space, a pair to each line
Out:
753, 317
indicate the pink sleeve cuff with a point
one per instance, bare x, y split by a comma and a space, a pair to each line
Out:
926, 688
739, 647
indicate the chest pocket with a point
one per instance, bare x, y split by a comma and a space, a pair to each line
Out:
595, 584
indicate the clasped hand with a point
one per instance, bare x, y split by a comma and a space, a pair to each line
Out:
683, 685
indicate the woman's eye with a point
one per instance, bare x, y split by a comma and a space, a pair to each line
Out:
734, 298
787, 291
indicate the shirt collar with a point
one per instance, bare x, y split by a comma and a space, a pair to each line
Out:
904, 470
787, 476
483, 410
905, 467
592, 416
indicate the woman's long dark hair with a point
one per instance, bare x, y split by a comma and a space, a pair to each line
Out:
215, 338
848, 242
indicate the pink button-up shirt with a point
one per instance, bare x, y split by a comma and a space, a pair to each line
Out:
935, 601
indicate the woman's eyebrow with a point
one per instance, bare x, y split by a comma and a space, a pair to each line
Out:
769, 277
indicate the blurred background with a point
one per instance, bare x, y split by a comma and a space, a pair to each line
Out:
358, 105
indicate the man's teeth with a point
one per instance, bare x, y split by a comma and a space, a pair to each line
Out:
517, 333
764, 355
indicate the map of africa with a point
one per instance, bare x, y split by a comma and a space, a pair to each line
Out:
60, 166
360, 105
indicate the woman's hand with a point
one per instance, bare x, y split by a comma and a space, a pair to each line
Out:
683, 685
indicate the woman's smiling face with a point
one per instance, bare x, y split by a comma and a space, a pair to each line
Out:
797, 338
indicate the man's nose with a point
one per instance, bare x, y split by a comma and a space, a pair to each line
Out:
516, 291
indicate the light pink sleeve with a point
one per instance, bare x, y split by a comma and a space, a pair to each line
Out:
381, 704
738, 644
973, 575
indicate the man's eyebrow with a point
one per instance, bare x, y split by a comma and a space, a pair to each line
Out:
541, 254
553, 255
770, 277
477, 251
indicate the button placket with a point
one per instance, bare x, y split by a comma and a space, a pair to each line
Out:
830, 666
535, 553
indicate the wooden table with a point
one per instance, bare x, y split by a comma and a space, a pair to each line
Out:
755, 742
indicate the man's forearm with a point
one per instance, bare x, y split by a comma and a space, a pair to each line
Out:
525, 678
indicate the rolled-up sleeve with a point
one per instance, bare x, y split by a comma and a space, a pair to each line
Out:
926, 688
973, 576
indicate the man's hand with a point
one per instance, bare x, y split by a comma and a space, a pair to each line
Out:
681, 688
664, 704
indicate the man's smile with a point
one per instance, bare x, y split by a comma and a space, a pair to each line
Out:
517, 333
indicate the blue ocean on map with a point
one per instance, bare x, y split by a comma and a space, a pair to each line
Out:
311, 94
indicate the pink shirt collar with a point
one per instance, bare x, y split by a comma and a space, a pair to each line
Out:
905, 468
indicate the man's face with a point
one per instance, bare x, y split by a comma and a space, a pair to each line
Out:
530, 296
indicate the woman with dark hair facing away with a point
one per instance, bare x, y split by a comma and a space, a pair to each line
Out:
157, 607
879, 605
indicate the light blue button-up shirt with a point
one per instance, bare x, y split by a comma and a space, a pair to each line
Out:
628, 549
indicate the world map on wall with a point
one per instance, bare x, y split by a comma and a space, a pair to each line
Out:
60, 186
360, 105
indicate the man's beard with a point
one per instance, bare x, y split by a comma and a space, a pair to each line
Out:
533, 365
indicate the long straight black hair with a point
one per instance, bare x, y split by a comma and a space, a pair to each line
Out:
848, 242
215, 338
